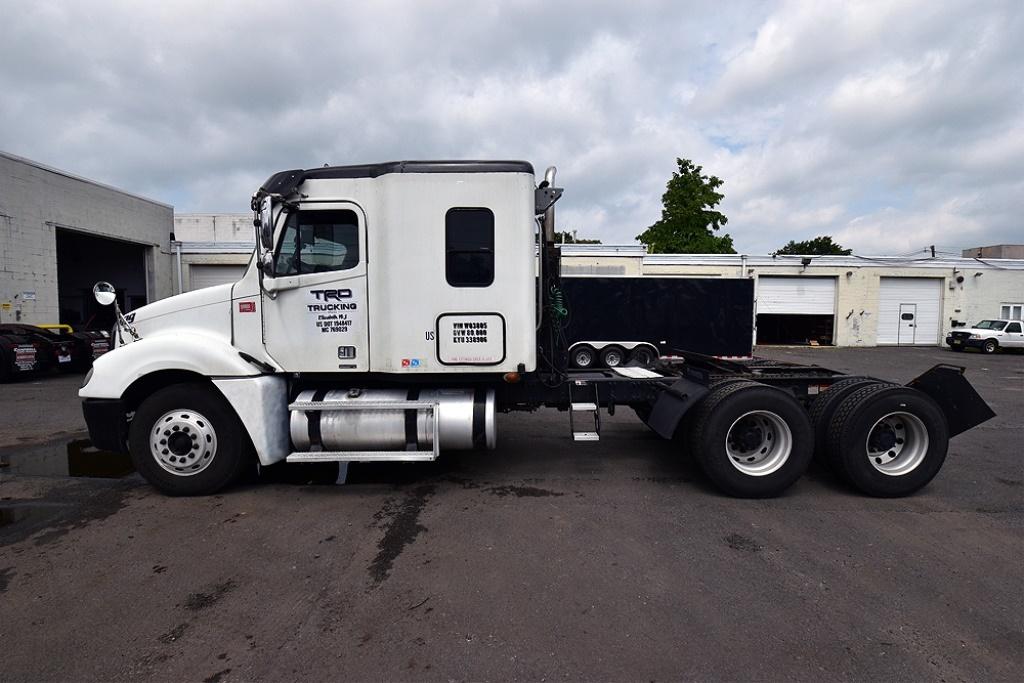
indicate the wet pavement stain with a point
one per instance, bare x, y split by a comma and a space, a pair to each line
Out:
75, 458
6, 574
199, 601
217, 677
1010, 482
748, 545
174, 634
522, 492
63, 509
401, 529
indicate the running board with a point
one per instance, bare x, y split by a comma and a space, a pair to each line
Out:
362, 456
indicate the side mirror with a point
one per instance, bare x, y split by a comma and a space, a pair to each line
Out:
266, 225
105, 293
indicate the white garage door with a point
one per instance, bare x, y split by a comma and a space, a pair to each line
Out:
796, 295
909, 310
210, 275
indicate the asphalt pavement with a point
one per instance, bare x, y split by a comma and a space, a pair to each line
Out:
542, 560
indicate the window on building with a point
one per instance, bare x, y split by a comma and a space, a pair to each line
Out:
469, 247
317, 242
1011, 311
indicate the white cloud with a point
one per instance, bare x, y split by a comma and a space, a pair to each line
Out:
858, 119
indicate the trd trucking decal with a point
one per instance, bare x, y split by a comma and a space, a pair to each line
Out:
332, 310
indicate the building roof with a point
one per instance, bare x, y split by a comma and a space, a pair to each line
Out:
72, 176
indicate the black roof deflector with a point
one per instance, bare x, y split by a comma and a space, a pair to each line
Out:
285, 182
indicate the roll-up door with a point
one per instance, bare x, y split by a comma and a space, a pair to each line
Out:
796, 295
909, 310
208, 275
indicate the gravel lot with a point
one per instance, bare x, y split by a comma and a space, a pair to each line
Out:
542, 560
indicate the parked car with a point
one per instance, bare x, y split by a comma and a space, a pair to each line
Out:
988, 335
19, 354
59, 349
91, 343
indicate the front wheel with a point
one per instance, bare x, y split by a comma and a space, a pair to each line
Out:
990, 346
187, 441
752, 440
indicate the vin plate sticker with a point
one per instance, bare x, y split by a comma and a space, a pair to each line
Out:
470, 338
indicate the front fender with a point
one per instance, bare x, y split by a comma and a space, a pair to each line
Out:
114, 371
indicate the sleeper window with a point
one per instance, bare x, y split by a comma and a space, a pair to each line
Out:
317, 242
469, 247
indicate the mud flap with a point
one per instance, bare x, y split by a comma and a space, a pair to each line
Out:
672, 404
960, 403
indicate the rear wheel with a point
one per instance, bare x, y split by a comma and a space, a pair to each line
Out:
888, 440
187, 441
824, 407
990, 346
752, 440
583, 356
612, 356
643, 356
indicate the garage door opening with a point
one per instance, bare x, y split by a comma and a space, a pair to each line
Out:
82, 260
796, 310
781, 328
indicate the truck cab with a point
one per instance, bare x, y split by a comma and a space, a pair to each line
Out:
988, 336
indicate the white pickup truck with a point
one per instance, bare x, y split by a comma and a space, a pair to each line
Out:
988, 335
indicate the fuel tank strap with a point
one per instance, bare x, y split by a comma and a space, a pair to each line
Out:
411, 440
314, 422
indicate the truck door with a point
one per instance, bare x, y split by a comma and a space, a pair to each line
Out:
908, 324
1014, 336
318, 320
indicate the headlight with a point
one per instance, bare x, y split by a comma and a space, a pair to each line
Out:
975, 336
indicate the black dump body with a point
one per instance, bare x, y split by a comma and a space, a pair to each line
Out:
712, 316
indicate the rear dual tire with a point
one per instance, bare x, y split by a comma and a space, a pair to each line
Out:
750, 439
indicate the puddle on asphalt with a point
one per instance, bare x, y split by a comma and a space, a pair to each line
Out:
79, 458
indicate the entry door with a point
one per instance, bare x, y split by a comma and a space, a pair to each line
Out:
907, 329
318, 320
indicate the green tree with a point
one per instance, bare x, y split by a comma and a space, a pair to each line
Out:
569, 237
819, 246
688, 217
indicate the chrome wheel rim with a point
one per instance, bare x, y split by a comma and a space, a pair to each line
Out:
183, 442
613, 359
583, 358
758, 443
897, 444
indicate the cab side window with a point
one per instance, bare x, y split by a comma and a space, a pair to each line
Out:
469, 247
1013, 327
318, 242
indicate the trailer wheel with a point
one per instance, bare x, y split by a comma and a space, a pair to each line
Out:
583, 356
643, 356
824, 407
187, 441
752, 440
612, 356
888, 440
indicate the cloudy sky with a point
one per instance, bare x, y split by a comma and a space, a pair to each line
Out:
890, 125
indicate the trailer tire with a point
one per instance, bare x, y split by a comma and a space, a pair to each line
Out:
613, 356
888, 440
186, 440
824, 407
643, 356
583, 356
752, 440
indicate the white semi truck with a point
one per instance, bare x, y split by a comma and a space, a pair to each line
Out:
391, 310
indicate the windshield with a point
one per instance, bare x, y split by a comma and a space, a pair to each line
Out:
990, 325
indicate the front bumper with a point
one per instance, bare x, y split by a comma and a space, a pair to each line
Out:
960, 343
107, 423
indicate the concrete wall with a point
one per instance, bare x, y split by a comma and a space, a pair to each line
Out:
35, 201
214, 227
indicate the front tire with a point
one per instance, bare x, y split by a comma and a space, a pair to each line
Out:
888, 440
186, 440
990, 346
752, 440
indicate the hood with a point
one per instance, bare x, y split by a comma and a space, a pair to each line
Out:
182, 302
